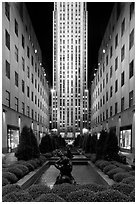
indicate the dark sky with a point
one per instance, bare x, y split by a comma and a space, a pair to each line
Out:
41, 17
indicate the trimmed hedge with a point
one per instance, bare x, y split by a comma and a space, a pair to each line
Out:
49, 197
123, 188
10, 188
112, 172
18, 172
28, 165
10, 176
64, 189
22, 196
104, 164
5, 181
93, 187
99, 162
37, 190
110, 196
23, 168
81, 196
33, 163
120, 176
130, 180
108, 168
132, 173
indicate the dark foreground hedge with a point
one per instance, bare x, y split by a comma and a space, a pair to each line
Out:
22, 196
10, 188
49, 197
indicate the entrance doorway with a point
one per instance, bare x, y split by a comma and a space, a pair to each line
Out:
12, 137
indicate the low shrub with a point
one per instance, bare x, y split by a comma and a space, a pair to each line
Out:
108, 168
48, 155
5, 181
132, 196
10, 188
132, 173
29, 166
22, 196
37, 190
123, 188
93, 187
120, 176
42, 158
99, 162
23, 168
49, 197
130, 180
110, 196
125, 167
64, 189
38, 162
10, 176
104, 164
81, 196
18, 172
112, 172
4, 169
33, 163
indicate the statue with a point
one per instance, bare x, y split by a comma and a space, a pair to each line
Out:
64, 164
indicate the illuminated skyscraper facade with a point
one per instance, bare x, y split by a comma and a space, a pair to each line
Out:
70, 94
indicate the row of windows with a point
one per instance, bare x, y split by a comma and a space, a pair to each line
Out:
36, 117
104, 116
131, 74
42, 93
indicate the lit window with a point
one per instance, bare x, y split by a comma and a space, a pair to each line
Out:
131, 99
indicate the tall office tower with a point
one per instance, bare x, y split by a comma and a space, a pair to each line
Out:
25, 91
69, 94
113, 87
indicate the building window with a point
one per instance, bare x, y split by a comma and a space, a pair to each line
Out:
125, 138
131, 39
116, 41
28, 72
27, 91
32, 95
23, 41
130, 99
7, 39
131, 69
107, 96
106, 60
122, 53
36, 67
7, 69
7, 10
132, 5
32, 78
35, 83
111, 72
35, 99
23, 64
122, 27
122, 79
28, 111
116, 108
122, 104
28, 51
116, 63
106, 78
16, 79
107, 114
116, 85
16, 53
8, 98
111, 91
16, 104
111, 51
103, 100
16, 27
23, 86
32, 114
23, 108
103, 83
32, 61
111, 111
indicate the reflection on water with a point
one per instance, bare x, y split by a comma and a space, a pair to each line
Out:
83, 174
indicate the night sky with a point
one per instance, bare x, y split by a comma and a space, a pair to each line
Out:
41, 17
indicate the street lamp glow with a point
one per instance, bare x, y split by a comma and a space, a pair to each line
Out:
40, 63
52, 90
44, 74
36, 51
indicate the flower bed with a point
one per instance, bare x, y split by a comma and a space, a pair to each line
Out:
17, 197
10, 188
93, 187
5, 181
123, 188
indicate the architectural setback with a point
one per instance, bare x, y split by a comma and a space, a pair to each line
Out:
69, 93
25, 92
113, 87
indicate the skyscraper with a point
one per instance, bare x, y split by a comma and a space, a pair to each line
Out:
69, 94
